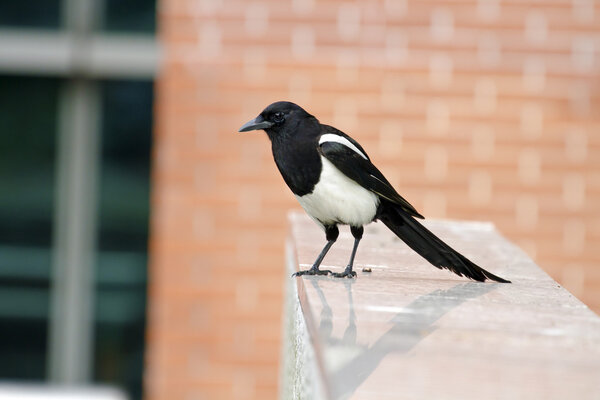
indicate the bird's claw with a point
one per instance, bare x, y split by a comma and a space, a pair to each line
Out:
348, 273
312, 271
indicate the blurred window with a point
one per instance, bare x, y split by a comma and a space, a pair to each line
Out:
28, 117
30, 13
123, 233
130, 16
31, 131
28, 120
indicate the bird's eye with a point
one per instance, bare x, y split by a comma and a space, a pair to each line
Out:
278, 117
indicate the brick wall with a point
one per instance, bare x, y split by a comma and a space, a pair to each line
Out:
480, 110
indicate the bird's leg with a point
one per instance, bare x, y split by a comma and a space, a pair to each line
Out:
314, 270
348, 272
331, 233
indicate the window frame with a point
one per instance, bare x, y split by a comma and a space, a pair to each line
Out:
81, 55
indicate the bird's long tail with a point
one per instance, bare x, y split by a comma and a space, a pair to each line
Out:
429, 246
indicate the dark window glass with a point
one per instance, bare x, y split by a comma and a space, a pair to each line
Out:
123, 233
28, 110
30, 13
130, 15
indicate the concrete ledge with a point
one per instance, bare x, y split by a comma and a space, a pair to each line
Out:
410, 331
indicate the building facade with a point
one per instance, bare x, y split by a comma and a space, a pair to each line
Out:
476, 110
142, 238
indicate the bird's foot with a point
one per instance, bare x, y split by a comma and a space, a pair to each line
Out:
348, 273
312, 271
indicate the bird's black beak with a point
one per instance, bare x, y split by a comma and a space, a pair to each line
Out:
256, 124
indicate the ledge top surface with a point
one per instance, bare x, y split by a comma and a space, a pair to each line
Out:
409, 330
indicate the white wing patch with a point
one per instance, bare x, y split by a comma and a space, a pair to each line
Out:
330, 137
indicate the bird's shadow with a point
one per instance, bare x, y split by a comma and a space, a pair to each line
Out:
410, 325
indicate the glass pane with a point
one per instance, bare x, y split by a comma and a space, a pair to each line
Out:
30, 13
28, 112
130, 15
123, 233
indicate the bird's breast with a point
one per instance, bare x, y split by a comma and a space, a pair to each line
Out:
337, 199
299, 164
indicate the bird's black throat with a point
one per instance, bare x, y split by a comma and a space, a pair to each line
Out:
295, 155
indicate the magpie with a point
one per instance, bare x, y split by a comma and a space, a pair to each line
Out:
336, 183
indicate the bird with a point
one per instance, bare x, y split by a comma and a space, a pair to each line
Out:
335, 182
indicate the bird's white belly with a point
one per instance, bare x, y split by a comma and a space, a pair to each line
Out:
337, 199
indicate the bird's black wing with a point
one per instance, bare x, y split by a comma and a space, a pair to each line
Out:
363, 172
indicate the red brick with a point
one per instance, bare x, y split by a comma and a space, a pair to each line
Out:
219, 206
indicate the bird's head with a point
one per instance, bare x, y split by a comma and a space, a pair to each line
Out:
277, 118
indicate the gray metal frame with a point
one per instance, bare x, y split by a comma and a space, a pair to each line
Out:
56, 53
